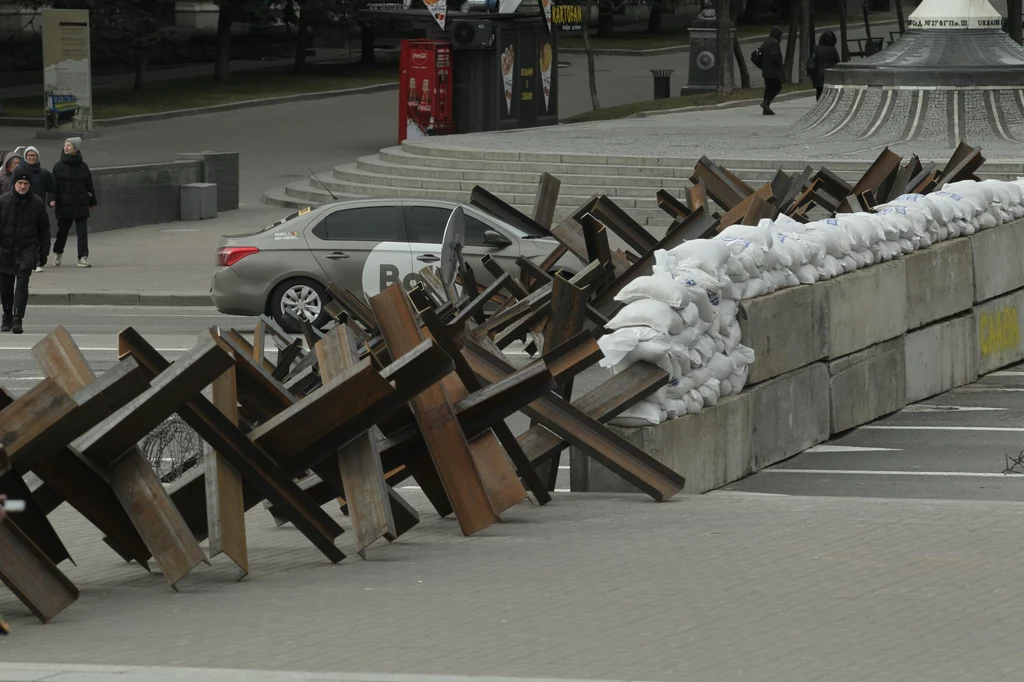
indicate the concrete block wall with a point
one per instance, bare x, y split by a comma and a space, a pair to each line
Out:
148, 194
836, 355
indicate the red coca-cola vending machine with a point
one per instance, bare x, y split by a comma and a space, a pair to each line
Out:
425, 89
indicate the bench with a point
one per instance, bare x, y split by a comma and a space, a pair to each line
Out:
866, 46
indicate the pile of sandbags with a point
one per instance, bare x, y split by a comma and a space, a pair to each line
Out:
683, 317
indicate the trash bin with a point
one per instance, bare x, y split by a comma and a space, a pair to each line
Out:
662, 83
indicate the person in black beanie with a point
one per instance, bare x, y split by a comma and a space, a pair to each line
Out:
24, 243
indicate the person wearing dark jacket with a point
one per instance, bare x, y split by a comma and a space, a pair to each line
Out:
24, 243
74, 198
11, 161
824, 57
772, 68
41, 179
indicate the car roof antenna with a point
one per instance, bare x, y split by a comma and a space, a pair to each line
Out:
322, 184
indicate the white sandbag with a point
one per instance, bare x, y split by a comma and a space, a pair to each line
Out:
644, 413
689, 382
807, 274
836, 241
709, 255
743, 355
655, 288
647, 313
710, 392
690, 315
777, 278
721, 366
615, 345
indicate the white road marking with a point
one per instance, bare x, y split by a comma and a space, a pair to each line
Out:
90, 349
919, 409
1005, 373
849, 448
943, 428
563, 467
416, 487
961, 474
989, 389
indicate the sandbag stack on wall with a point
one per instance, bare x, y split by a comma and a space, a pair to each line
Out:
683, 316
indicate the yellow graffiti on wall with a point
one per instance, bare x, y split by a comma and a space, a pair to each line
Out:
998, 330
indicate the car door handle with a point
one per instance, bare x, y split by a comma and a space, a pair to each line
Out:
337, 255
428, 258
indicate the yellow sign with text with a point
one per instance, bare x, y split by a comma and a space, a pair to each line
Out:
998, 330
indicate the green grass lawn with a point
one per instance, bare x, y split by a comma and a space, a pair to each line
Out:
677, 102
169, 95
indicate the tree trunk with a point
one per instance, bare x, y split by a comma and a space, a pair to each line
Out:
141, 69
741, 61
591, 72
867, 22
723, 48
654, 21
814, 31
806, 40
794, 27
605, 19
366, 40
899, 16
844, 48
223, 58
1014, 12
301, 34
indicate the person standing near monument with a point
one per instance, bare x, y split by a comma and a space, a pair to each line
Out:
24, 244
772, 68
74, 199
824, 57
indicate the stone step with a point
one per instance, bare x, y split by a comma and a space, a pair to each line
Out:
302, 194
350, 173
529, 174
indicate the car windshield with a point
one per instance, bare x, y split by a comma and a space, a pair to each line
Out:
519, 233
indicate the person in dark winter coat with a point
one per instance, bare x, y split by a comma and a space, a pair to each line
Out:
42, 179
24, 243
824, 57
74, 198
772, 68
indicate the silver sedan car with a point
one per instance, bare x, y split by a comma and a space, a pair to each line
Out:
361, 245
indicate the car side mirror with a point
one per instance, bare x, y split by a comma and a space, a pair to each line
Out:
493, 238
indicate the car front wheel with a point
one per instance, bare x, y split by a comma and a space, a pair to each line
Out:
303, 298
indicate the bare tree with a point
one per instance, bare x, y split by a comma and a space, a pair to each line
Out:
1013, 18
741, 61
844, 48
590, 54
723, 47
899, 16
794, 27
806, 41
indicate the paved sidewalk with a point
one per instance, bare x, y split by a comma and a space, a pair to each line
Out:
715, 587
166, 264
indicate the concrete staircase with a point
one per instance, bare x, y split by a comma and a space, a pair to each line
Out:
442, 172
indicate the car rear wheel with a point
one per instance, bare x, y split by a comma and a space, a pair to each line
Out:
302, 297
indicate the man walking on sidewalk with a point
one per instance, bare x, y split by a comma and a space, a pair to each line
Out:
42, 179
772, 68
24, 244
74, 198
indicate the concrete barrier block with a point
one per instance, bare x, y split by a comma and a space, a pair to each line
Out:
940, 282
868, 384
940, 357
789, 414
998, 254
198, 201
866, 307
998, 332
787, 330
710, 449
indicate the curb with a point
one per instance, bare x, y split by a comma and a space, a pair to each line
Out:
216, 108
676, 49
122, 298
735, 104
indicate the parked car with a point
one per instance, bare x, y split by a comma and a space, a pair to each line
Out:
362, 245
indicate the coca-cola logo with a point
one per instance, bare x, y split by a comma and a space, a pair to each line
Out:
419, 58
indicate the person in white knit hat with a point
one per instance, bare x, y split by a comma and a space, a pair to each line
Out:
74, 199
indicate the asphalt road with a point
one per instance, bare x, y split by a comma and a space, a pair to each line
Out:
955, 446
172, 331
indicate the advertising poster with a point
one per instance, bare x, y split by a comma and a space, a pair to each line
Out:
438, 9
67, 71
546, 62
545, 7
568, 18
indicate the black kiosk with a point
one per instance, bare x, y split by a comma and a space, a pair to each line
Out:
505, 67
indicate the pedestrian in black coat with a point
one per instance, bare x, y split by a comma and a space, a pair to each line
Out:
43, 185
74, 198
773, 68
24, 243
824, 57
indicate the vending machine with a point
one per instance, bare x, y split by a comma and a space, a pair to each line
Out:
425, 89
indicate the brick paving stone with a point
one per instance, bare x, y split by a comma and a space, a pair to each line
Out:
714, 587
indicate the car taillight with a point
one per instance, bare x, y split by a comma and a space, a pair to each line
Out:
229, 255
